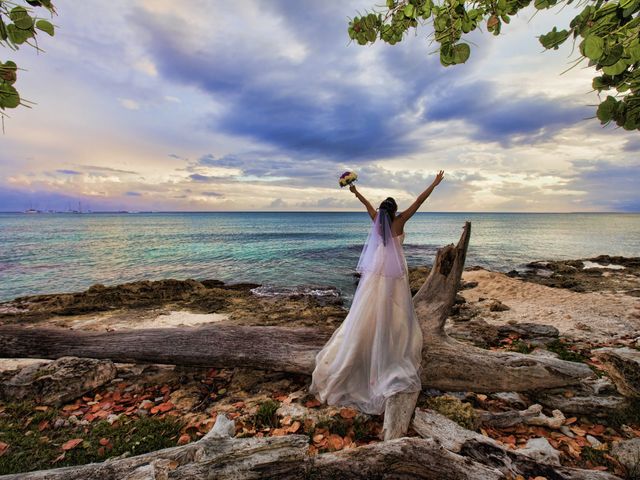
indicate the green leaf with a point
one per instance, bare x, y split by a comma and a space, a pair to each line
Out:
606, 109
409, 10
20, 18
9, 97
18, 36
45, 26
593, 47
3, 30
615, 69
461, 53
553, 39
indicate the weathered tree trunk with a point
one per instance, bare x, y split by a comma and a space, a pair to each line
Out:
216, 455
486, 451
448, 364
219, 456
447, 452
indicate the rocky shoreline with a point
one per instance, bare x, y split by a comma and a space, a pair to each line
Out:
74, 411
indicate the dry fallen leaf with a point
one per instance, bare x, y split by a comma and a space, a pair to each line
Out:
318, 438
348, 413
44, 424
104, 441
295, 426
312, 403
184, 439
71, 444
3, 448
335, 442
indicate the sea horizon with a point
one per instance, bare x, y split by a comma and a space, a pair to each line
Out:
63, 252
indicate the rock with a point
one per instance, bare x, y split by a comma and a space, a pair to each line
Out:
498, 306
294, 410
113, 418
185, 398
417, 276
623, 367
476, 331
567, 431
467, 285
628, 453
58, 382
541, 352
541, 450
593, 441
246, 379
529, 330
224, 427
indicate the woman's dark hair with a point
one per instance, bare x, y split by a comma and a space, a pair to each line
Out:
390, 205
387, 209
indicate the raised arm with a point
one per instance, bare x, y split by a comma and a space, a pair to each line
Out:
365, 202
408, 213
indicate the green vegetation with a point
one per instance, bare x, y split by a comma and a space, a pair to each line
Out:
34, 444
607, 33
460, 412
19, 25
560, 348
521, 346
630, 415
266, 414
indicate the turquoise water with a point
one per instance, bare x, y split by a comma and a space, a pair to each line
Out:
46, 253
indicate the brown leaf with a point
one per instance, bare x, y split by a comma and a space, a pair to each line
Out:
43, 425
348, 413
101, 451
59, 457
184, 439
42, 408
278, 432
286, 420
318, 438
3, 448
295, 426
335, 442
570, 420
578, 431
104, 441
312, 403
71, 444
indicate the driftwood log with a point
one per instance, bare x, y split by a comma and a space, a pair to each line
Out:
447, 363
448, 451
477, 448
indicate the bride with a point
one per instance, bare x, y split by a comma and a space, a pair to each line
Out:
376, 351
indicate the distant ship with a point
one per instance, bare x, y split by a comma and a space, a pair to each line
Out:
31, 210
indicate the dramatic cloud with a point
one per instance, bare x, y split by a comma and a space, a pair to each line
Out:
142, 105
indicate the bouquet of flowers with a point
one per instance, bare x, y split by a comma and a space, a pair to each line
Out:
347, 178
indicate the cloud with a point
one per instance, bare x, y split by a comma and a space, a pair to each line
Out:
212, 194
133, 194
69, 172
129, 104
632, 145
494, 117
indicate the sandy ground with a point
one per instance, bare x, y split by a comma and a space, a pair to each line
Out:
594, 316
134, 320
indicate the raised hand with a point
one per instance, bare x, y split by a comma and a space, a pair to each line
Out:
439, 178
352, 188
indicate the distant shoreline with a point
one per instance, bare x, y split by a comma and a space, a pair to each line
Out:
150, 212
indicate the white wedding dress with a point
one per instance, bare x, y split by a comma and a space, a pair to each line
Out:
376, 351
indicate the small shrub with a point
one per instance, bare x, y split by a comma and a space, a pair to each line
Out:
460, 412
266, 414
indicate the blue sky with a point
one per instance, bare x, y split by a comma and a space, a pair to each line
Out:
262, 105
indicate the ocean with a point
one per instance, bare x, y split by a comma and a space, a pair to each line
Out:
50, 253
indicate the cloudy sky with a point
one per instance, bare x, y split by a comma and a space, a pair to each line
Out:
256, 105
